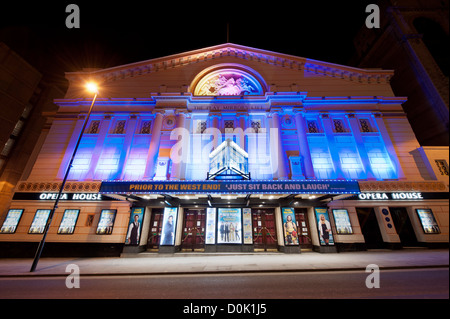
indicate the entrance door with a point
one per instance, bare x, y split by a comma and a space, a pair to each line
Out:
194, 230
155, 229
264, 230
304, 238
370, 228
403, 226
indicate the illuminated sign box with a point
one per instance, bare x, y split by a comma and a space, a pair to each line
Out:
342, 222
106, 223
68, 221
82, 197
428, 222
230, 187
39, 221
12, 220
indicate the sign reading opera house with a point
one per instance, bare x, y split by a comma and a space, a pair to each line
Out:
230, 148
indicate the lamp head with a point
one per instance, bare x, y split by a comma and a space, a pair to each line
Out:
92, 87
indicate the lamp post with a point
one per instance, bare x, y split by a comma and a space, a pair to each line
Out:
92, 88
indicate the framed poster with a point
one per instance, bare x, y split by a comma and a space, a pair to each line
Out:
210, 226
247, 225
429, 223
12, 220
135, 226
106, 223
68, 221
290, 231
324, 226
39, 221
169, 226
342, 222
229, 226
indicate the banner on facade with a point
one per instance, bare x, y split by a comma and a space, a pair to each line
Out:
134, 226
233, 187
324, 226
290, 230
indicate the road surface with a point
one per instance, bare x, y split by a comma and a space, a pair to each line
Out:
430, 283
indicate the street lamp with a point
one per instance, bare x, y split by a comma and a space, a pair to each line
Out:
92, 88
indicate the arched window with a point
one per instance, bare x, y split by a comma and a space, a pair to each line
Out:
436, 40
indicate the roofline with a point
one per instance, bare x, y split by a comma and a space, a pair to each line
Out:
301, 60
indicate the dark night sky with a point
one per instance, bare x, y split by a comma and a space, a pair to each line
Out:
120, 32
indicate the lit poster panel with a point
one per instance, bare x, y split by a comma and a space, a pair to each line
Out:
39, 221
106, 223
289, 226
324, 227
229, 226
68, 221
169, 226
12, 220
247, 225
429, 223
342, 222
135, 226
210, 226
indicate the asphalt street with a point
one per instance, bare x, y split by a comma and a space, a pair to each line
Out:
430, 283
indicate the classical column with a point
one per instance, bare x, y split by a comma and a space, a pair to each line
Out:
242, 117
153, 149
126, 147
360, 145
278, 156
180, 153
97, 152
389, 145
305, 152
216, 131
328, 128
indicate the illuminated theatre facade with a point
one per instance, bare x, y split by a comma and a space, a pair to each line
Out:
231, 148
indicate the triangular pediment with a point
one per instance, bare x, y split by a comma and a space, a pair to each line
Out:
179, 72
235, 50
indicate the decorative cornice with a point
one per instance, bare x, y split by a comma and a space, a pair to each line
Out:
402, 186
241, 52
54, 186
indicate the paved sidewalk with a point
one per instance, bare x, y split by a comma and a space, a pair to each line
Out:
182, 263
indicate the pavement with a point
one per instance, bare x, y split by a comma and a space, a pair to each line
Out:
204, 263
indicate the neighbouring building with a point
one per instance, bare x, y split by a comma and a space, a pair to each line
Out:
230, 148
413, 40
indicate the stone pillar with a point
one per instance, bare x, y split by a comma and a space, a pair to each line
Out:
97, 152
180, 153
215, 132
389, 146
305, 152
241, 129
360, 145
328, 128
279, 163
153, 149
126, 147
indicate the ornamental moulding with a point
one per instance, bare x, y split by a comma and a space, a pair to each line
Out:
240, 52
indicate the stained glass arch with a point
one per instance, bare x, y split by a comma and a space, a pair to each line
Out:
227, 81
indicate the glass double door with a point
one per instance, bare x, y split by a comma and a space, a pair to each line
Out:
194, 230
304, 235
264, 230
154, 236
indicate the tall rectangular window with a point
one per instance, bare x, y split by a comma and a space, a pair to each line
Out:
119, 128
145, 127
338, 126
94, 127
365, 125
